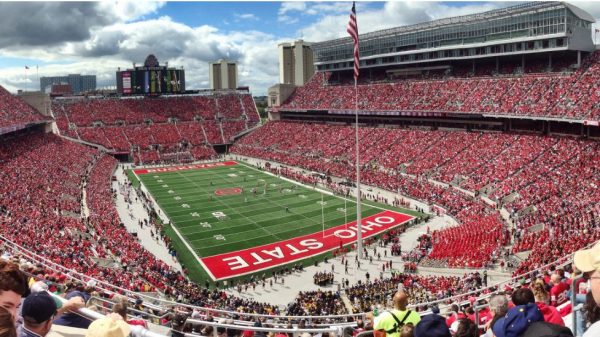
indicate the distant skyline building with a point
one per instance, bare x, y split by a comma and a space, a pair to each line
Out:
79, 83
296, 62
222, 74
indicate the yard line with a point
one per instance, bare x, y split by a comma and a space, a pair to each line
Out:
308, 187
280, 227
273, 178
270, 201
252, 206
278, 238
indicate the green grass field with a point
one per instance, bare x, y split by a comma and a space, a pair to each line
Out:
251, 219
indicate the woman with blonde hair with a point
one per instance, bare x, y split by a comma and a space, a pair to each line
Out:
542, 300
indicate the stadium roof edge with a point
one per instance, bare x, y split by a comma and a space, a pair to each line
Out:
464, 19
580, 13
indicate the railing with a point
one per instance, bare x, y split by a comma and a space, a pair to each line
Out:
107, 287
296, 332
136, 330
332, 320
104, 305
576, 310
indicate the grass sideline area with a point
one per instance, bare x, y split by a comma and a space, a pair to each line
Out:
225, 209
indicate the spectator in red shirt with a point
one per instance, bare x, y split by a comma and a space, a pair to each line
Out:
558, 292
455, 315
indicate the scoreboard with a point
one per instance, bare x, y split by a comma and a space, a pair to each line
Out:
151, 81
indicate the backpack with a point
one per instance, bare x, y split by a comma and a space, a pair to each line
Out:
399, 323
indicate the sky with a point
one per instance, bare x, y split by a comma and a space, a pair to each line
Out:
96, 38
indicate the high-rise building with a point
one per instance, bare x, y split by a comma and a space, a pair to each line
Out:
79, 83
222, 75
296, 64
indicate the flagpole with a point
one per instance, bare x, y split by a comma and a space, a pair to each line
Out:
322, 216
345, 212
358, 208
352, 29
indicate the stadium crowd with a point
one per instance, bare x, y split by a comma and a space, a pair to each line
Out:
15, 112
158, 130
41, 185
551, 93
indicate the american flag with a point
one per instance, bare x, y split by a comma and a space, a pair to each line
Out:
352, 29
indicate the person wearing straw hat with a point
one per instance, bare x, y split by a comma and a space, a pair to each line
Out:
112, 325
588, 262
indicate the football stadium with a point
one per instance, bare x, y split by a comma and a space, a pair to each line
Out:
434, 179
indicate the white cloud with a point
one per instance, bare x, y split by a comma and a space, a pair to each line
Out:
246, 16
122, 43
393, 14
328, 8
309, 9
287, 19
128, 10
291, 6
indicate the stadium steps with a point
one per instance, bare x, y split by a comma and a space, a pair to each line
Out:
98, 146
346, 302
510, 198
85, 211
204, 133
522, 256
178, 131
243, 110
457, 154
222, 134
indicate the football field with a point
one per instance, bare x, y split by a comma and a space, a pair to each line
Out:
229, 219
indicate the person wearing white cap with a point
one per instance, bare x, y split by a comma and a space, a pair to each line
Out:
588, 261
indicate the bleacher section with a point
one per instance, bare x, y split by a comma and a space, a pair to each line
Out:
157, 130
572, 95
14, 112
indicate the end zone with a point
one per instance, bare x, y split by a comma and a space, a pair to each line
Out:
184, 167
252, 260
